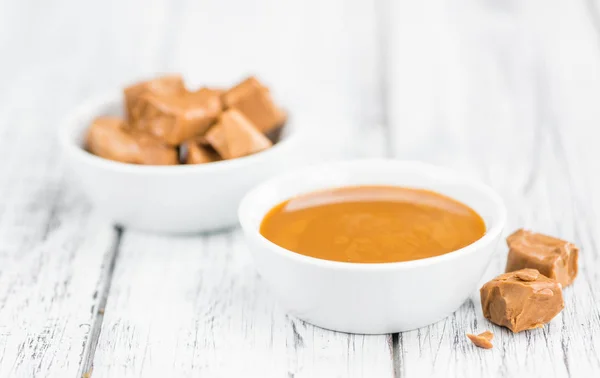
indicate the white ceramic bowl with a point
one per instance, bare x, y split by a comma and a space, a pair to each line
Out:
372, 298
172, 199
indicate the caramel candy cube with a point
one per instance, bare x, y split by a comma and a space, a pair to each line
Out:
176, 118
254, 101
108, 138
165, 85
235, 136
552, 257
521, 300
198, 153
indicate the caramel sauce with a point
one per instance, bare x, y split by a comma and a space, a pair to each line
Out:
372, 224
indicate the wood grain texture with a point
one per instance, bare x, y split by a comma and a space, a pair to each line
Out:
504, 91
195, 307
54, 252
517, 113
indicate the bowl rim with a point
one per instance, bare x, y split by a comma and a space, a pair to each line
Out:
491, 234
92, 107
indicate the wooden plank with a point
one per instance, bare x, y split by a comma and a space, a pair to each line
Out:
195, 306
49, 295
514, 108
54, 253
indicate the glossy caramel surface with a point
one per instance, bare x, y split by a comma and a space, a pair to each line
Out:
372, 224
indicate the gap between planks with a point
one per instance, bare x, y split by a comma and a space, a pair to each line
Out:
86, 368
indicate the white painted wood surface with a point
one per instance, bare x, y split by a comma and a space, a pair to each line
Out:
506, 91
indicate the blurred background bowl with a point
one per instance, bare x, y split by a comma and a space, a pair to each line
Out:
171, 199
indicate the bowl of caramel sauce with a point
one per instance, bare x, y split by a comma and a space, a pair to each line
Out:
372, 246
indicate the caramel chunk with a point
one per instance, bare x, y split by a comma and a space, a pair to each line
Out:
552, 257
483, 340
253, 100
197, 153
176, 118
107, 138
235, 136
165, 85
521, 304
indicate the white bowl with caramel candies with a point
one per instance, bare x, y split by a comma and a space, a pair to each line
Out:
160, 157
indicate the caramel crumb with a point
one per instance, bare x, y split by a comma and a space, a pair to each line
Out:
527, 274
483, 340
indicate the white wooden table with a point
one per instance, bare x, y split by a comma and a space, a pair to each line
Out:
507, 91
